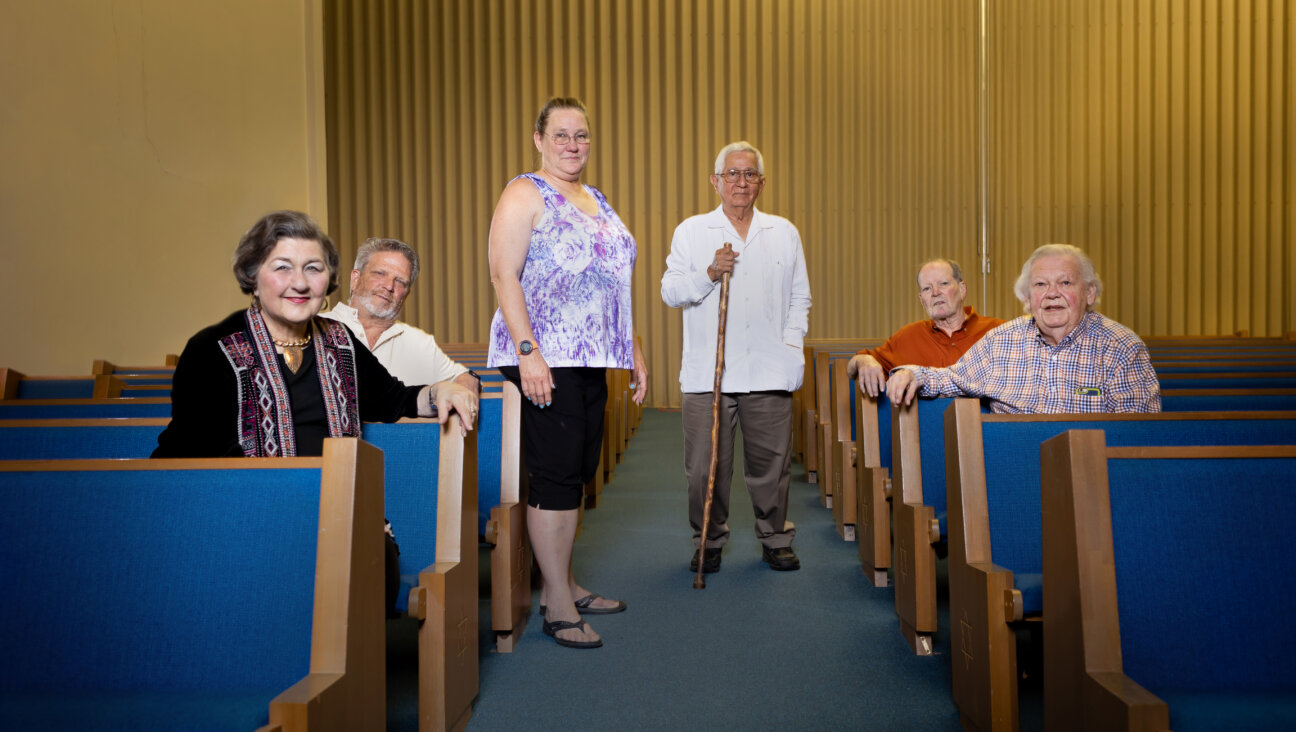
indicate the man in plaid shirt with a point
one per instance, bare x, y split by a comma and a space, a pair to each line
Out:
1061, 358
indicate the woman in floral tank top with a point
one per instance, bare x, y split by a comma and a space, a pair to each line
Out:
561, 262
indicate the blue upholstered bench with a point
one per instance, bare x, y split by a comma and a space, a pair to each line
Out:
1233, 380
62, 439
85, 408
1228, 400
431, 494
1167, 573
180, 594
996, 560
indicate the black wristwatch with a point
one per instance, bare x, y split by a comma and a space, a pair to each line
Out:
476, 376
525, 348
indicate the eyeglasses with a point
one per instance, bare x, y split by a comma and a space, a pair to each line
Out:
562, 138
731, 175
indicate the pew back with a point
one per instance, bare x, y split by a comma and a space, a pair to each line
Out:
183, 593
996, 560
1194, 543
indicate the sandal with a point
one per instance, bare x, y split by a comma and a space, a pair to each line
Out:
583, 606
551, 629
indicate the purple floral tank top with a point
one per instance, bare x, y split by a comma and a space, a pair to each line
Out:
576, 281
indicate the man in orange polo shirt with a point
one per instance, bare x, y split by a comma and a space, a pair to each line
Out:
937, 342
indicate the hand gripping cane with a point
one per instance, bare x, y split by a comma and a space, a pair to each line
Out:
698, 582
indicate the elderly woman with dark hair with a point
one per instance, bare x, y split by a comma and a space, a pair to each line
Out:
275, 380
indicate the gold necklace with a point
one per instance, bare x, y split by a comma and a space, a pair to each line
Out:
292, 351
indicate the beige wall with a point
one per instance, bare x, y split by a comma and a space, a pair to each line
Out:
138, 140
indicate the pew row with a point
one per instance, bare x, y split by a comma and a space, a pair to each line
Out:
994, 518
873, 484
500, 503
1163, 568
194, 594
434, 514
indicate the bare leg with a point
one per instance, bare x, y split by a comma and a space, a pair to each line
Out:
552, 535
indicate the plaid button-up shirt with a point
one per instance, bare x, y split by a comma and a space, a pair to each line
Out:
1100, 366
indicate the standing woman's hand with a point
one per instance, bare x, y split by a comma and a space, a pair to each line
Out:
639, 375
518, 210
537, 381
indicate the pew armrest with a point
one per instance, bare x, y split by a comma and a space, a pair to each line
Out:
1117, 702
306, 705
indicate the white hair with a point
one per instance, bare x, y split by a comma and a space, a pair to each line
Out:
1087, 273
739, 146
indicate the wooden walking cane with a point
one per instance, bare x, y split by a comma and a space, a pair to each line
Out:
698, 582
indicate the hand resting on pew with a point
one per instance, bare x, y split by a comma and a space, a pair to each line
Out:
439, 400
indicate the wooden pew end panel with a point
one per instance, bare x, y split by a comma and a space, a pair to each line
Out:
915, 575
984, 648
510, 575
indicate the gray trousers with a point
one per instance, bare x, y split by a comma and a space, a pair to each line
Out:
766, 420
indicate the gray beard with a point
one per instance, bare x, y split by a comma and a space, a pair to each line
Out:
367, 302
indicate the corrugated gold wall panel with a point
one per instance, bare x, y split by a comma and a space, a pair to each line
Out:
1157, 135
431, 106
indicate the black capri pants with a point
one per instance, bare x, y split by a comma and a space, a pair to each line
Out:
563, 442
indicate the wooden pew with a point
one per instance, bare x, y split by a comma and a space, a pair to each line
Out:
501, 495
873, 485
807, 434
64, 439
192, 593
1225, 400
918, 514
502, 487
1229, 380
85, 408
828, 473
841, 456
107, 367
993, 481
1163, 568
434, 515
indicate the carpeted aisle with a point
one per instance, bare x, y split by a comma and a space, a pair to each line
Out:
814, 649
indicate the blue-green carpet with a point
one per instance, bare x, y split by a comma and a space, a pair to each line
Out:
818, 648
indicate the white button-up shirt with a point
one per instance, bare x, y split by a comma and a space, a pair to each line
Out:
410, 354
769, 303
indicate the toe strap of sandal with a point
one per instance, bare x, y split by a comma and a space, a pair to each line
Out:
553, 626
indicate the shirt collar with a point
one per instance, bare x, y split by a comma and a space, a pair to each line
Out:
717, 220
1075, 333
352, 315
969, 316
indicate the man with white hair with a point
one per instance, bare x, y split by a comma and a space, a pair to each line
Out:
385, 270
1062, 357
769, 308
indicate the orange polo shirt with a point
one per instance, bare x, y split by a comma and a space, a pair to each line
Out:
923, 344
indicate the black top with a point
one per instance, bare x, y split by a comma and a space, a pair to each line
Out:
204, 398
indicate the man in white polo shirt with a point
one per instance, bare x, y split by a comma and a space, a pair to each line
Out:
385, 270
